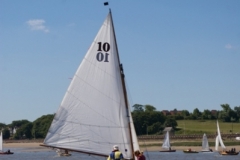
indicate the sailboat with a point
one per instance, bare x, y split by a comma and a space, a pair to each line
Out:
94, 114
205, 145
1, 146
166, 144
219, 140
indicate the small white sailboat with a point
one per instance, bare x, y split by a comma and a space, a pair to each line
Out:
219, 140
1, 146
166, 144
94, 113
205, 144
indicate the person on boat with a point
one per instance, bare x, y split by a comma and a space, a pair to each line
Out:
115, 154
66, 152
139, 155
189, 150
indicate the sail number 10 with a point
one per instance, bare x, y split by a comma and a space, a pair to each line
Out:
103, 47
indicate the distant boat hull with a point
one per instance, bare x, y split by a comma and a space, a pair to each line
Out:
207, 151
167, 151
228, 153
188, 151
6, 152
64, 154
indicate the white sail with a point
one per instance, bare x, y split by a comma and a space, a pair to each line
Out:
219, 138
216, 143
205, 145
93, 115
1, 142
166, 141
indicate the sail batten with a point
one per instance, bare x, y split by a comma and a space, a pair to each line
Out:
94, 114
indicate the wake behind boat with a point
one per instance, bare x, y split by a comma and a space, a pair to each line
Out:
94, 114
166, 144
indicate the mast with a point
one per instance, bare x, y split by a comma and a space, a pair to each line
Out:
124, 86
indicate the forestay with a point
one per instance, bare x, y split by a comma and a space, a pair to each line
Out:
93, 115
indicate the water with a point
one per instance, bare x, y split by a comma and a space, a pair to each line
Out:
31, 154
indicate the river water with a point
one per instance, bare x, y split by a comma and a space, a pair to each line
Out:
23, 154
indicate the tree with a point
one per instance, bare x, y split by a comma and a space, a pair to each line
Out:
18, 123
196, 113
206, 114
6, 133
138, 107
227, 113
2, 125
155, 128
41, 126
170, 122
149, 108
27, 130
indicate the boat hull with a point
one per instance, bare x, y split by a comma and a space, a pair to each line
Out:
188, 151
228, 153
168, 151
5, 153
207, 151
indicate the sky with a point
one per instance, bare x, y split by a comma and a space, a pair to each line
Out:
176, 54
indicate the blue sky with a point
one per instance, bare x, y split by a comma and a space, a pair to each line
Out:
176, 54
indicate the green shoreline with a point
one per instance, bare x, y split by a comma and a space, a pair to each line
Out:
212, 144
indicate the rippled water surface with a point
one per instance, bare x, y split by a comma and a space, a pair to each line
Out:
31, 154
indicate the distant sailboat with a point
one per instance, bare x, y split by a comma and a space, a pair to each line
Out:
166, 144
219, 140
205, 145
1, 146
94, 113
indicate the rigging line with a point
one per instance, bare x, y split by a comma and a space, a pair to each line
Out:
148, 157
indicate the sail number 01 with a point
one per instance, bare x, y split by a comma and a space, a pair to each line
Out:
103, 47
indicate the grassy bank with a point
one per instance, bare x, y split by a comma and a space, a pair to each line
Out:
190, 127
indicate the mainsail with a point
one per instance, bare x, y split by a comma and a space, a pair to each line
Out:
166, 141
94, 113
205, 145
219, 139
1, 142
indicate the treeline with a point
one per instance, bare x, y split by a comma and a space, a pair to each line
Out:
147, 120
24, 129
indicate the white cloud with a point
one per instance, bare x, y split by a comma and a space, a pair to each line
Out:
38, 25
228, 46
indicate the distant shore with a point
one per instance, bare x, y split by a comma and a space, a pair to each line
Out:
35, 146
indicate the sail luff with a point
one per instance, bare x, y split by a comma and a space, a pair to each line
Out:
124, 87
1, 142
